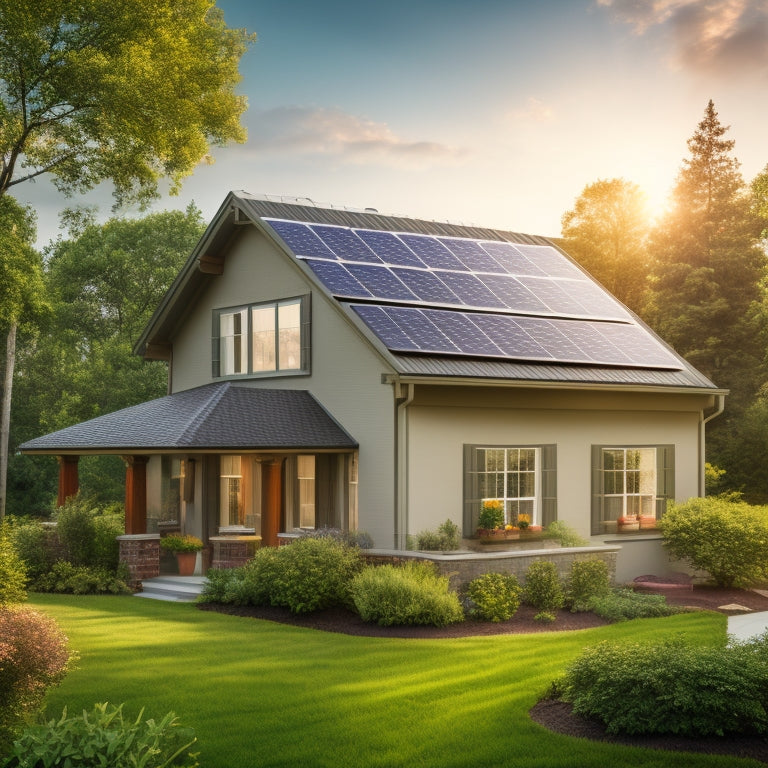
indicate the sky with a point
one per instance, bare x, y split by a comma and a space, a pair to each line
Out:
491, 112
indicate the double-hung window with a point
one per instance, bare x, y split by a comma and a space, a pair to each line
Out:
630, 481
522, 477
262, 339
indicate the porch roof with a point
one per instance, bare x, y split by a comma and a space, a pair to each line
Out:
216, 417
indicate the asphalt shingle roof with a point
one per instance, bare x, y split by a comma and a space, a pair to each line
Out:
220, 416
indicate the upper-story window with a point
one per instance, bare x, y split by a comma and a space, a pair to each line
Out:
265, 338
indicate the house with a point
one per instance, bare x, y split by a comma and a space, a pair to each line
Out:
331, 367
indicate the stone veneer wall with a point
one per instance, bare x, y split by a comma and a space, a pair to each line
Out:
141, 553
462, 567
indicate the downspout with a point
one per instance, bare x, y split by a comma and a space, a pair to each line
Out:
404, 394
719, 407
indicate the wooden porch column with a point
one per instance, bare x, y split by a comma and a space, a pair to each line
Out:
135, 494
271, 500
69, 482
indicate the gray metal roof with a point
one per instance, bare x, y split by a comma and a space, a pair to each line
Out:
222, 416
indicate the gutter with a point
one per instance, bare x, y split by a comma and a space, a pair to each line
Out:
717, 409
404, 394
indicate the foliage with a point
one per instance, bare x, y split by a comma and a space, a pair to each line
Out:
360, 539
34, 544
446, 538
495, 596
249, 585
104, 737
587, 579
542, 586
607, 232
728, 539
545, 617
178, 543
624, 603
672, 687
563, 533
13, 574
412, 593
87, 532
33, 657
83, 580
491, 515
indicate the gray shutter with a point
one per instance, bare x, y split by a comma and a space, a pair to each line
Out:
597, 488
215, 347
665, 477
471, 491
548, 484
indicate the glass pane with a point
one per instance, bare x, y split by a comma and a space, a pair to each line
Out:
263, 338
633, 481
513, 459
494, 459
232, 349
528, 459
527, 484
613, 459
289, 324
633, 505
306, 476
614, 482
513, 490
648, 506
613, 507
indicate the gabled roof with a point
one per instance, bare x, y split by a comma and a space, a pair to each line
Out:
445, 300
215, 417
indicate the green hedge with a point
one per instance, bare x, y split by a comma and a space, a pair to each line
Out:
494, 596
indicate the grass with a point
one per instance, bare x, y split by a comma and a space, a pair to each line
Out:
262, 694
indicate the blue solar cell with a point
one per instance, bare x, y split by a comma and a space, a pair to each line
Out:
642, 348
389, 248
460, 329
418, 327
345, 243
552, 294
432, 252
471, 291
390, 333
427, 286
301, 239
549, 336
597, 347
381, 282
596, 302
510, 337
550, 260
338, 280
513, 293
511, 259
471, 254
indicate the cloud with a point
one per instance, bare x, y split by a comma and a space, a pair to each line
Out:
715, 37
534, 110
353, 139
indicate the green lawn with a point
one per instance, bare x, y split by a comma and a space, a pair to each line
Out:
264, 694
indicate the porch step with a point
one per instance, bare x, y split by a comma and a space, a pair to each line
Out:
182, 589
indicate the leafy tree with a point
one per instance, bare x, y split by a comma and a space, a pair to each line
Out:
124, 91
104, 283
606, 232
707, 274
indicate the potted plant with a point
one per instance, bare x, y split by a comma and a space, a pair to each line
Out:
186, 548
647, 522
491, 521
628, 523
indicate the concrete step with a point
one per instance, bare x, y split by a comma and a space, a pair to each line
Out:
173, 588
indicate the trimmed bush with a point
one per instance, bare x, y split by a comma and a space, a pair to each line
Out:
726, 538
624, 603
83, 580
88, 533
409, 594
13, 574
35, 545
33, 657
249, 585
588, 579
542, 586
105, 737
672, 687
495, 596
445, 539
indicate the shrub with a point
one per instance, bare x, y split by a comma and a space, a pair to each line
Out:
13, 574
624, 603
672, 687
542, 586
105, 737
409, 594
88, 532
83, 580
33, 657
588, 578
728, 539
312, 573
359, 539
545, 617
174, 542
563, 533
496, 596
446, 538
35, 544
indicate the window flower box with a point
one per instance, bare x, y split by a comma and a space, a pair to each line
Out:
628, 523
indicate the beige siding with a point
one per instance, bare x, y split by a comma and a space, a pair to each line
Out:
345, 373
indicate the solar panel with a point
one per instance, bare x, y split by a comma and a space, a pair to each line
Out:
301, 239
552, 294
337, 279
389, 247
421, 330
381, 282
470, 290
344, 243
460, 329
513, 293
549, 260
379, 321
432, 252
512, 260
510, 337
427, 286
472, 255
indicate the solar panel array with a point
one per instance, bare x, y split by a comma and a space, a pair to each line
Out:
482, 298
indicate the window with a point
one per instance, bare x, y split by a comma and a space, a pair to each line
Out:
523, 477
630, 481
231, 510
266, 338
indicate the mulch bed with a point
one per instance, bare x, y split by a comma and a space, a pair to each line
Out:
554, 715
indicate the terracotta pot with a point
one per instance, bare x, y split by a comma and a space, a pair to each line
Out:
186, 561
647, 522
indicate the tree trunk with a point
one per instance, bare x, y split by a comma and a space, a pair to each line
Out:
5, 412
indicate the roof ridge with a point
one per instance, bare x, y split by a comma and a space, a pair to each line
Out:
219, 389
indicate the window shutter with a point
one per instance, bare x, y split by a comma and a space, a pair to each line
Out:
471, 491
548, 484
215, 349
665, 477
597, 488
